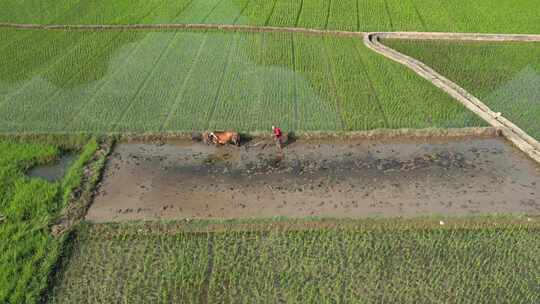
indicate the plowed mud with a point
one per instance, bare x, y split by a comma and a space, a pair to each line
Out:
331, 178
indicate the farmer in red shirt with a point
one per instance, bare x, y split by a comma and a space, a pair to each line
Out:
277, 135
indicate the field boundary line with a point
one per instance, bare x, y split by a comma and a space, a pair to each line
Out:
457, 36
254, 28
488, 37
177, 26
114, 230
375, 134
513, 133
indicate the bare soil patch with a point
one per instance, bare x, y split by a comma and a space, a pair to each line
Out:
324, 178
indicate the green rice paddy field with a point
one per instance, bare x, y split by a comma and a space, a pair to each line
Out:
505, 76
28, 251
120, 81
518, 16
164, 80
369, 261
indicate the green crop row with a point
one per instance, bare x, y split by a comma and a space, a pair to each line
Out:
119, 81
28, 252
518, 16
505, 76
143, 263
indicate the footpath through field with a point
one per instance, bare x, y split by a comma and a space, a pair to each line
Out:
283, 29
512, 132
516, 135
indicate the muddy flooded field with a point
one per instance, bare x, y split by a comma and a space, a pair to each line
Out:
330, 178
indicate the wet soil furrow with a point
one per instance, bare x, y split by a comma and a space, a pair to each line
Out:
338, 178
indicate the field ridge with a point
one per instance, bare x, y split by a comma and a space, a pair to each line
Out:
462, 36
516, 135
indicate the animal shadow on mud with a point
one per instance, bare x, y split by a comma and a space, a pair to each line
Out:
245, 139
289, 139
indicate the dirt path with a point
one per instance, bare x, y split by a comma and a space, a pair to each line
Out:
251, 28
330, 178
177, 26
457, 36
516, 135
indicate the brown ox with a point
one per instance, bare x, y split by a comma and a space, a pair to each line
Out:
221, 137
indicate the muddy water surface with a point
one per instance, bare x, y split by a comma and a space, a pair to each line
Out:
55, 170
336, 178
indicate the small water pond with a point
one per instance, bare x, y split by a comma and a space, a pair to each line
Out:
55, 170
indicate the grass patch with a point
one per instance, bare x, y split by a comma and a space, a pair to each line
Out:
28, 206
466, 260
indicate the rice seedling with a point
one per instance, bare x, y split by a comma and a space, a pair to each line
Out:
392, 262
28, 251
257, 12
314, 14
520, 16
227, 12
285, 13
343, 15
505, 76
129, 81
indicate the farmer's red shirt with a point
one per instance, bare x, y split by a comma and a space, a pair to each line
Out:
277, 132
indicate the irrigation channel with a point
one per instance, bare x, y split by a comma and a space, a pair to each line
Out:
512, 132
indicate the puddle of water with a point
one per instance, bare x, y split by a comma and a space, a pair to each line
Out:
54, 171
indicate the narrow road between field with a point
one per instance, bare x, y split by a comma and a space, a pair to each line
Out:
254, 28
177, 26
516, 135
